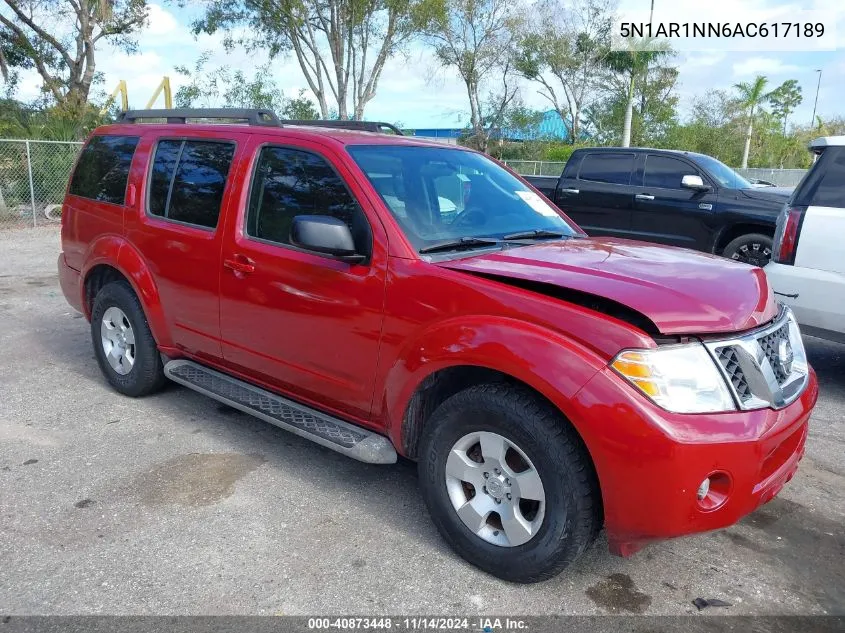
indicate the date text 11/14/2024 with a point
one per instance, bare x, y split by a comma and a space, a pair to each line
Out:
484, 624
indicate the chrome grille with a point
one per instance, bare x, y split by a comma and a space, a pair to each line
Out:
770, 344
752, 366
730, 362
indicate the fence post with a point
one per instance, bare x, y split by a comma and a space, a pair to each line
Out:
31, 187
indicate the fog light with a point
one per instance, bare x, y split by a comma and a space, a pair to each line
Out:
714, 491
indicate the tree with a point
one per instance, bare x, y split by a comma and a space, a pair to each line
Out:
752, 97
300, 108
475, 38
631, 66
520, 122
58, 38
223, 88
564, 51
341, 46
713, 128
784, 99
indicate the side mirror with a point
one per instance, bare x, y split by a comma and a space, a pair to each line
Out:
693, 182
325, 234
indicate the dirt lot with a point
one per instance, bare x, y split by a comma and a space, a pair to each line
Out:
174, 504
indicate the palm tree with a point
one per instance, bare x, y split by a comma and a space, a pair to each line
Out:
633, 64
752, 96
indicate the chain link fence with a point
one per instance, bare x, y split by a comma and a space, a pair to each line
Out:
779, 177
536, 167
33, 179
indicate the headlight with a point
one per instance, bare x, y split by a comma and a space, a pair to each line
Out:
682, 379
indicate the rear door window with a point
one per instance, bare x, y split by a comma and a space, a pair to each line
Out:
103, 168
824, 186
665, 172
613, 168
187, 180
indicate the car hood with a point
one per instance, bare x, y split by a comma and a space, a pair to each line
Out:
679, 290
769, 194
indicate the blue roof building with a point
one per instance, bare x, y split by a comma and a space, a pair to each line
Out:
552, 126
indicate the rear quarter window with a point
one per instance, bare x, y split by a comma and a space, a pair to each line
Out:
613, 168
187, 180
103, 168
824, 185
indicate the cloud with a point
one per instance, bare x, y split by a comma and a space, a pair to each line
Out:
703, 60
763, 66
143, 73
160, 22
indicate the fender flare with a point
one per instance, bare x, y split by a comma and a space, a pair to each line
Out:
547, 361
116, 252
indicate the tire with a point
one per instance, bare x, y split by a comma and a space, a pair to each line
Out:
753, 248
141, 372
571, 510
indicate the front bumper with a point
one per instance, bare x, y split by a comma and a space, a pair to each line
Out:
650, 463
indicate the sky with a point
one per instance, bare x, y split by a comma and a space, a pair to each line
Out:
413, 91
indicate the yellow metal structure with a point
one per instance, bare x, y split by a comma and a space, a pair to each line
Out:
164, 86
124, 97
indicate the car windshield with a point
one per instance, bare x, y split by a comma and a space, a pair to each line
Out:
726, 176
442, 195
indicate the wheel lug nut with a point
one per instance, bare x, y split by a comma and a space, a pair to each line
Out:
507, 482
486, 475
509, 496
497, 471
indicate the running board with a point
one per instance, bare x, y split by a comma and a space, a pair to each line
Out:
352, 441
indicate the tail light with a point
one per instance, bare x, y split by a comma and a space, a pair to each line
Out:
786, 234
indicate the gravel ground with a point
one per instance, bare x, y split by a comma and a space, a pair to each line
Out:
175, 504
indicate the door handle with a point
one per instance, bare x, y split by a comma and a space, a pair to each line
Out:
570, 191
240, 264
644, 196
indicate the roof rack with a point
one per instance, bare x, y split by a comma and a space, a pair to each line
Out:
260, 117
361, 126
264, 118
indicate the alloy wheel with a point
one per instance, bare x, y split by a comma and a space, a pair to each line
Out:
495, 489
118, 340
754, 253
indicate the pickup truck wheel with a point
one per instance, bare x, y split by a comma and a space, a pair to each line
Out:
508, 483
754, 249
124, 346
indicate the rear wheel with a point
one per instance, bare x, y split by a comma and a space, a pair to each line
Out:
124, 346
754, 249
508, 483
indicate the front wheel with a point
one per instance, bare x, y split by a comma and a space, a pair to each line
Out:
754, 249
508, 482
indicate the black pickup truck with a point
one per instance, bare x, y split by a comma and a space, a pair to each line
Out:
666, 196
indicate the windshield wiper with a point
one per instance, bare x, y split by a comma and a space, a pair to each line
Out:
459, 244
539, 234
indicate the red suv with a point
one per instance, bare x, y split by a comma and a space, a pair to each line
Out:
381, 295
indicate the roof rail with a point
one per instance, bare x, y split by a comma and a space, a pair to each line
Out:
264, 118
361, 126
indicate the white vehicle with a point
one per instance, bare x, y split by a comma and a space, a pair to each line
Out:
807, 271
